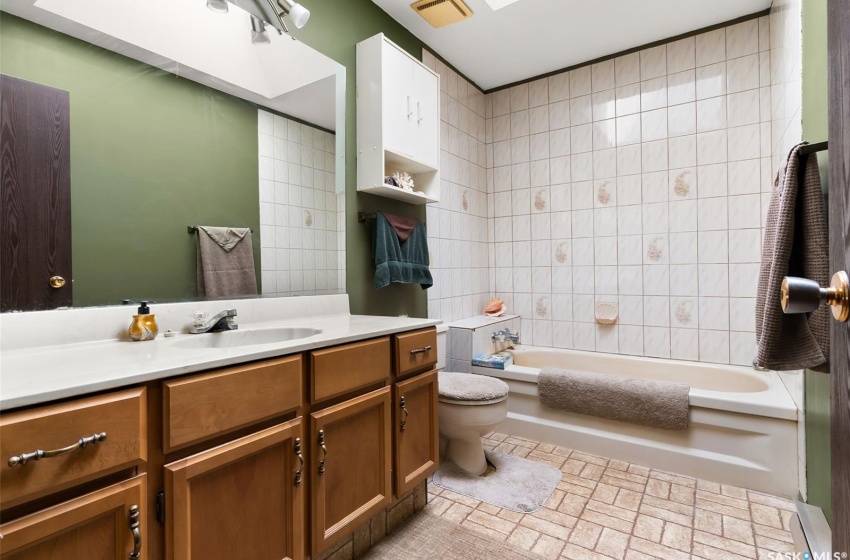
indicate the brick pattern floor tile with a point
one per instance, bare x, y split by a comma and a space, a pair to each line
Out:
606, 509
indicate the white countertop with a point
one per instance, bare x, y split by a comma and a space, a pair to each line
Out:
39, 374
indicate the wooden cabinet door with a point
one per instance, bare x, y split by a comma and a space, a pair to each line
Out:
417, 436
350, 466
426, 116
98, 525
241, 500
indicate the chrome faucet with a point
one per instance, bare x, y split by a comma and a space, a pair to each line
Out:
505, 336
222, 321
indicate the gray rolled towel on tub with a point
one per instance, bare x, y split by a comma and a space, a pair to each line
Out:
660, 404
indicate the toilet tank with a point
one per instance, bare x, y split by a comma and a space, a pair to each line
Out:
442, 336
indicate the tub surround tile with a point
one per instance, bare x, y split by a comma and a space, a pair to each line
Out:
628, 99
583, 169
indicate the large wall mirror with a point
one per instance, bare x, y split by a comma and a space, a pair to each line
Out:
176, 116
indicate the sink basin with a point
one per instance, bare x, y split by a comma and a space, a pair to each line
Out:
248, 337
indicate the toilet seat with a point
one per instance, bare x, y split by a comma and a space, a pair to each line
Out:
469, 389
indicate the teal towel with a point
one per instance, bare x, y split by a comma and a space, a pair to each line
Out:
400, 262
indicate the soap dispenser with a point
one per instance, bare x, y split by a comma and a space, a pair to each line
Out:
143, 326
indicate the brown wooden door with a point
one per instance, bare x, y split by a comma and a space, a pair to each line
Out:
240, 501
839, 259
417, 436
35, 194
94, 526
351, 476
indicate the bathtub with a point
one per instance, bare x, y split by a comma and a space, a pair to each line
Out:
743, 423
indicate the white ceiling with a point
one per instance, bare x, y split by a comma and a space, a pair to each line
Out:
185, 38
532, 37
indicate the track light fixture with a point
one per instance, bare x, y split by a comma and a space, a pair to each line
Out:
296, 12
259, 36
219, 6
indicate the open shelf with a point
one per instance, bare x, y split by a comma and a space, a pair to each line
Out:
415, 197
400, 162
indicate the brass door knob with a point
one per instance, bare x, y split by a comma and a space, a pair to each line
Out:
801, 295
57, 282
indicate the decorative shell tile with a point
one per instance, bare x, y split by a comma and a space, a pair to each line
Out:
655, 249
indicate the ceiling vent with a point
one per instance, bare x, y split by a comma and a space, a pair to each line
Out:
441, 13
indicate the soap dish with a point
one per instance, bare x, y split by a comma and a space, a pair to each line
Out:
606, 312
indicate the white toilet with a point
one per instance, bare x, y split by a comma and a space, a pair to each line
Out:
469, 407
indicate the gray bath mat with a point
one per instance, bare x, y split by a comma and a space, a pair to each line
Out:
517, 484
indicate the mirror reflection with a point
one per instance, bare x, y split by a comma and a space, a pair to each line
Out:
126, 124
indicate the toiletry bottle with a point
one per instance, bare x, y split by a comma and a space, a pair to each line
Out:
143, 326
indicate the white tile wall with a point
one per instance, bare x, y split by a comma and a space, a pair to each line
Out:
637, 181
302, 217
458, 237
642, 180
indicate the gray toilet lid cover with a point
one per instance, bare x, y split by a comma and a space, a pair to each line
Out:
470, 387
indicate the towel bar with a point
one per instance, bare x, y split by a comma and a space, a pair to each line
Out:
194, 229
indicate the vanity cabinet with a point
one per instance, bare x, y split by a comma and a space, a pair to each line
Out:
243, 499
262, 461
70, 450
398, 121
350, 465
417, 435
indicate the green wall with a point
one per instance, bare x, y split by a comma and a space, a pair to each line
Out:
815, 118
335, 27
150, 154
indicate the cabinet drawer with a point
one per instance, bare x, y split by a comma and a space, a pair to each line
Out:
342, 369
415, 351
120, 415
201, 407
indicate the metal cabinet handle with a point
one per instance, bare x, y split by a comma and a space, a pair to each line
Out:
422, 350
406, 414
324, 452
801, 295
301, 459
409, 111
419, 111
25, 458
137, 533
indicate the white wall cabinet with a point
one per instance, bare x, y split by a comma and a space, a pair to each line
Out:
398, 121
